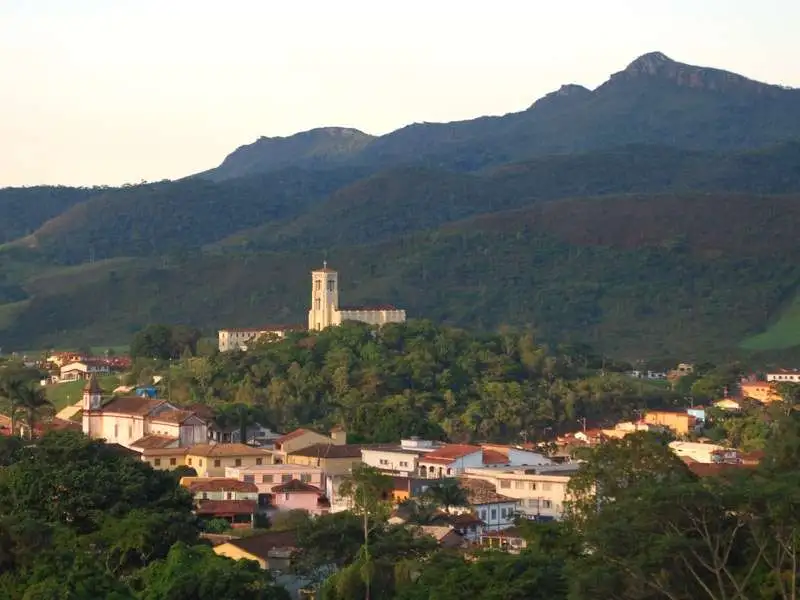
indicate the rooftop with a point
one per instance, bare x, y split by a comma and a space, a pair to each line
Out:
295, 486
226, 507
212, 450
292, 435
154, 441
482, 492
368, 307
330, 451
222, 484
262, 329
174, 415
132, 405
450, 452
262, 545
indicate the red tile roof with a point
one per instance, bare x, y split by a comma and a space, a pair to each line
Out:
323, 451
174, 416
226, 507
295, 486
292, 435
132, 405
482, 492
212, 450
494, 457
712, 469
449, 452
154, 441
218, 485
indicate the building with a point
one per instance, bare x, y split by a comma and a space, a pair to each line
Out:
229, 499
83, 369
267, 477
728, 404
296, 495
540, 492
392, 459
784, 376
326, 312
450, 460
208, 460
333, 459
495, 510
271, 550
303, 438
680, 422
705, 453
238, 339
446, 536
131, 420
762, 391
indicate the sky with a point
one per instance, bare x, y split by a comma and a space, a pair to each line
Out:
117, 91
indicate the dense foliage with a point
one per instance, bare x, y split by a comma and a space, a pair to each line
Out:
80, 520
414, 379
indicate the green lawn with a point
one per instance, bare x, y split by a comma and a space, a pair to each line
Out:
64, 394
782, 334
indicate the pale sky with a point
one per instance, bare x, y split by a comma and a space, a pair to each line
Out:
115, 91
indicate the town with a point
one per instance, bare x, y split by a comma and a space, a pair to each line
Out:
467, 492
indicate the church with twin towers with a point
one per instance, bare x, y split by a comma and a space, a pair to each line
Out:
325, 311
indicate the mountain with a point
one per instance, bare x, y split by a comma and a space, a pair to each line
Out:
323, 147
653, 101
26, 209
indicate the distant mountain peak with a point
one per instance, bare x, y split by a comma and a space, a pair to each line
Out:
659, 65
565, 94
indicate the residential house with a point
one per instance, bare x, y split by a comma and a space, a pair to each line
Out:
698, 412
728, 404
705, 453
505, 456
84, 369
272, 550
450, 460
239, 339
296, 495
331, 458
680, 422
510, 540
540, 492
220, 498
266, 477
625, 428
497, 511
303, 438
392, 459
404, 488
761, 391
446, 536
784, 376
468, 524
208, 460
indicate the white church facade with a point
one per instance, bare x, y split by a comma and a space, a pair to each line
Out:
324, 312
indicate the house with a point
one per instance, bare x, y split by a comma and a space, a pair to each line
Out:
468, 525
255, 434
705, 453
221, 498
445, 536
296, 495
505, 456
392, 459
266, 477
83, 369
238, 339
326, 312
495, 510
761, 391
509, 539
541, 493
680, 422
784, 376
728, 404
333, 459
126, 420
271, 550
303, 438
208, 460
450, 460
404, 488
698, 412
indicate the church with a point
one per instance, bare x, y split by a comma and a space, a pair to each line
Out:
139, 422
325, 310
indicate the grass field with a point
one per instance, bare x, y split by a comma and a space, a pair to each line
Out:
782, 334
64, 394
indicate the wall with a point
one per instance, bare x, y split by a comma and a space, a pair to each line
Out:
371, 317
454, 468
496, 515
166, 461
536, 494
297, 501
309, 438
331, 466
390, 461
120, 429
267, 477
215, 466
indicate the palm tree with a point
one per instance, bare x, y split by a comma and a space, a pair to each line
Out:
447, 494
9, 392
34, 405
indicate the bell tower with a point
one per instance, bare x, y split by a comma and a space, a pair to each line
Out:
324, 298
92, 400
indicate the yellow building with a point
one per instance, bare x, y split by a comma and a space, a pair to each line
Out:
209, 460
303, 438
271, 550
762, 391
679, 422
333, 459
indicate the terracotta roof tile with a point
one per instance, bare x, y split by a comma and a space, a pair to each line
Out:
176, 416
323, 451
450, 452
195, 485
261, 545
164, 451
226, 507
482, 492
295, 486
132, 405
212, 450
494, 457
292, 435
154, 441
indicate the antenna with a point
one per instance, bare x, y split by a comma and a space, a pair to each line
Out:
324, 264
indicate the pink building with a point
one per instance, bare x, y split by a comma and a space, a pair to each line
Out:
296, 495
269, 477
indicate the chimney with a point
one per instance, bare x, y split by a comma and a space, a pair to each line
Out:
339, 436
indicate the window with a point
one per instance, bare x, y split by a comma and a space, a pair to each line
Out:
318, 284
305, 477
200, 462
259, 461
331, 285
519, 485
532, 485
172, 462
503, 513
403, 463
229, 495
547, 504
533, 503
383, 461
505, 484
286, 496
238, 462
189, 461
130, 431
483, 515
286, 478
249, 478
546, 487
157, 462
116, 431
449, 472
266, 479
494, 514
318, 303
216, 463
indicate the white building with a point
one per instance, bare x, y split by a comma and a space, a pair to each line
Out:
705, 453
139, 422
450, 460
497, 511
238, 339
784, 376
83, 369
539, 492
325, 310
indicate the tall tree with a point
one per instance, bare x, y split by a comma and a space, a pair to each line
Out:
34, 406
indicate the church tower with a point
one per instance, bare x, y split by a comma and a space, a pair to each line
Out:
324, 298
92, 400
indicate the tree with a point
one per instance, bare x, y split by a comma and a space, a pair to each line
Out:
34, 405
10, 390
447, 494
368, 490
